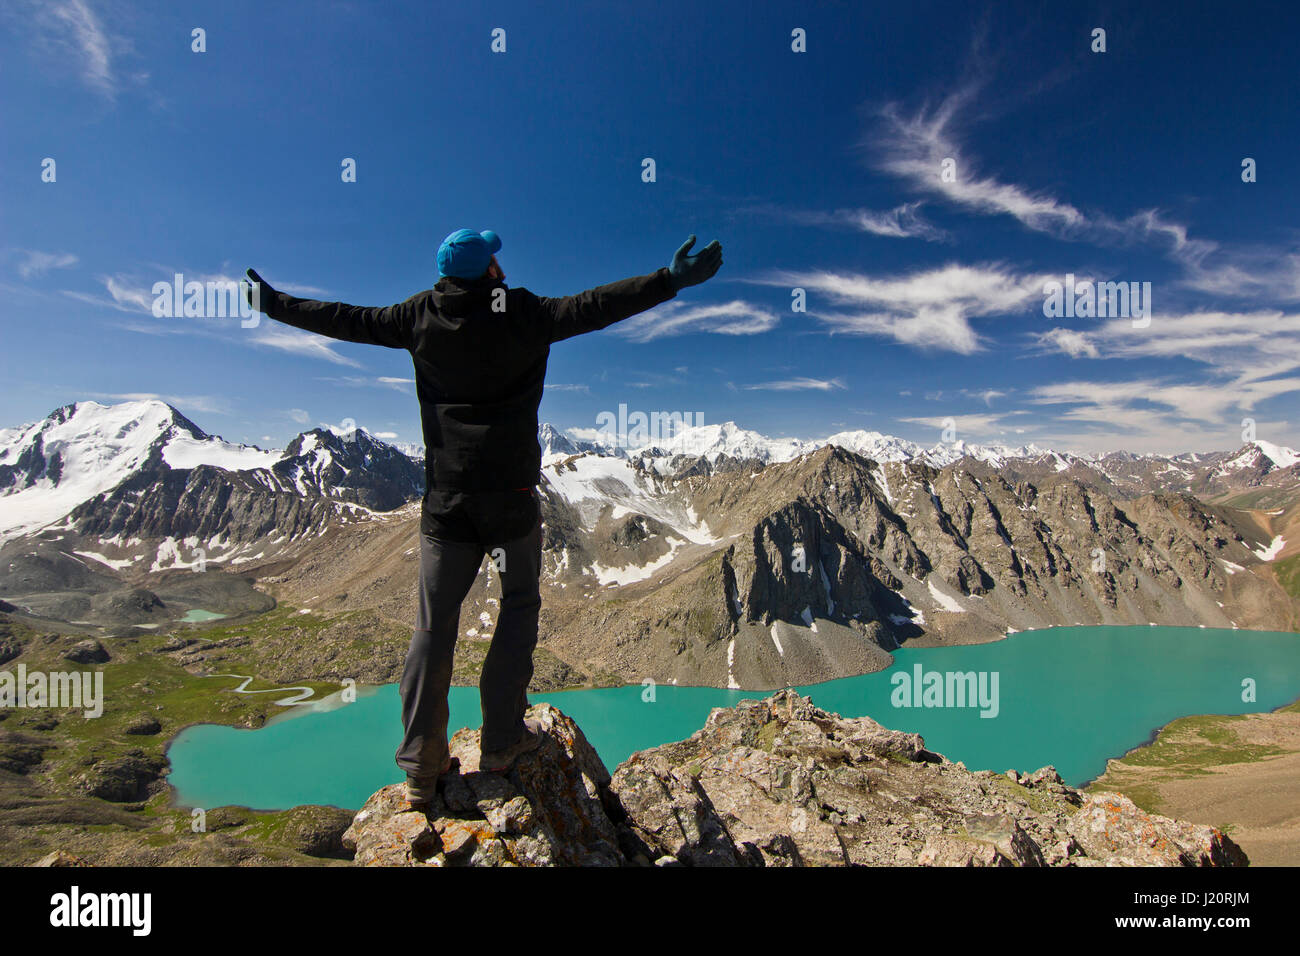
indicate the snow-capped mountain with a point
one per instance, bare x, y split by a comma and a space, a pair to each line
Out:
712, 442
84, 449
87, 451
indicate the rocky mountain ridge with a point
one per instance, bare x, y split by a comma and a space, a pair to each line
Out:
774, 782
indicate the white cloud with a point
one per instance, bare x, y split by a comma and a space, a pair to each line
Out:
930, 309
901, 222
69, 32
1246, 359
985, 395
973, 426
561, 387
36, 264
1158, 415
915, 147
126, 295
798, 384
295, 341
677, 318
1237, 346
299, 415
1069, 342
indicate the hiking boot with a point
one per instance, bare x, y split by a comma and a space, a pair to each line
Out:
497, 760
421, 790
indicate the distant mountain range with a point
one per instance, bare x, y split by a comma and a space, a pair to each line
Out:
719, 556
84, 450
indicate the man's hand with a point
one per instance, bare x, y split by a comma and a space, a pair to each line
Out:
687, 270
258, 292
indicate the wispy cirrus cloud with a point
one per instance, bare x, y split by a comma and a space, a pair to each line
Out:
567, 387
797, 385
902, 222
396, 383
927, 309
130, 294
74, 33
294, 341
677, 318
34, 263
1236, 346
914, 146
1138, 400
123, 295
1247, 360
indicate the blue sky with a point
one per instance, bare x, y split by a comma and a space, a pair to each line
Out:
819, 170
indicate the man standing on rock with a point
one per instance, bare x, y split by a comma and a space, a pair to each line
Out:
480, 350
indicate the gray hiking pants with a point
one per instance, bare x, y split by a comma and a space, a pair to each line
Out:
452, 548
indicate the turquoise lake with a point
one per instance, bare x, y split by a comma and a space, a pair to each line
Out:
199, 616
1072, 697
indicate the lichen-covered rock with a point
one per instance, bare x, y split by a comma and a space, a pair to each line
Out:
667, 817
1112, 829
547, 809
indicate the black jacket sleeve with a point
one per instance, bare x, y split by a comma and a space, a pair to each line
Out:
604, 305
392, 325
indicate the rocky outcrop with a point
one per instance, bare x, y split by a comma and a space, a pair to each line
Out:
548, 809
87, 652
774, 782
60, 858
123, 779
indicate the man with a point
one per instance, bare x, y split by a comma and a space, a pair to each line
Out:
480, 350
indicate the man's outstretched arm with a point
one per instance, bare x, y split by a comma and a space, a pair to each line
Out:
606, 304
391, 325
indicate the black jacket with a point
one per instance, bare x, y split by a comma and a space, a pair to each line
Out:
479, 371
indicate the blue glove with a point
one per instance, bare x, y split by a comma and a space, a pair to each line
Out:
687, 270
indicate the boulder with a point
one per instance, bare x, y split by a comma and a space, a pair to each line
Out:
87, 652
146, 725
1110, 828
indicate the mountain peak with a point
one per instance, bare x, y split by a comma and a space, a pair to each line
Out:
1280, 456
